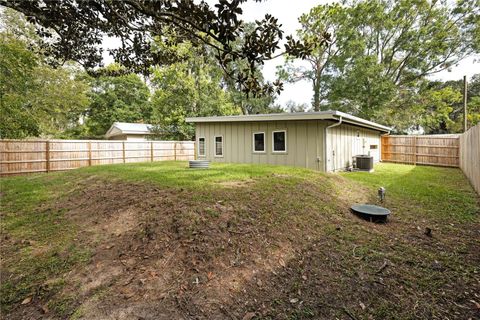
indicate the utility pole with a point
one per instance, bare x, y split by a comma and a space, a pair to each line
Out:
465, 125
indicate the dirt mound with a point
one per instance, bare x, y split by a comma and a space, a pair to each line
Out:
173, 253
176, 253
275, 247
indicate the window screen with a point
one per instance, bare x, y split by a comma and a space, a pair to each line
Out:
219, 146
201, 146
259, 142
279, 141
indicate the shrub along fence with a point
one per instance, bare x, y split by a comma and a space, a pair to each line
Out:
29, 156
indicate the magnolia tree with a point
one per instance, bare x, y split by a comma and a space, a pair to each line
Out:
75, 29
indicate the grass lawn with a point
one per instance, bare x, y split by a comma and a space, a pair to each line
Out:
439, 193
160, 241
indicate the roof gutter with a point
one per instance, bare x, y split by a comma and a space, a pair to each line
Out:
340, 120
364, 125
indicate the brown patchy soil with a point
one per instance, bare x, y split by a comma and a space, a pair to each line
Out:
259, 249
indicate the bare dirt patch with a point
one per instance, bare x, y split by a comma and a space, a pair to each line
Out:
236, 184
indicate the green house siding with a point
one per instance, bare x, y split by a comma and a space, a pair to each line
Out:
346, 141
305, 143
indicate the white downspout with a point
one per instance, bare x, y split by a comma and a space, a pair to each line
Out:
326, 133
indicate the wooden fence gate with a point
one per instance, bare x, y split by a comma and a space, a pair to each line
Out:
436, 150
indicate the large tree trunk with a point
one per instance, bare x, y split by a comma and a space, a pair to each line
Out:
319, 65
316, 94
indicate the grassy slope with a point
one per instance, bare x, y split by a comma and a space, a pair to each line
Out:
26, 224
40, 241
38, 245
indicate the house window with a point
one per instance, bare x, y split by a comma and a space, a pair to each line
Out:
259, 142
373, 146
279, 139
201, 146
218, 146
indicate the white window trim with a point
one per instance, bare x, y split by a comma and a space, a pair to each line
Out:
264, 142
273, 142
215, 147
204, 147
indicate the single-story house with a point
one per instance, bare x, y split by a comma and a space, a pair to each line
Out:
129, 131
325, 141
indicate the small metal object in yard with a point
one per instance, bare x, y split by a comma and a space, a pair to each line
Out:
371, 212
199, 164
381, 194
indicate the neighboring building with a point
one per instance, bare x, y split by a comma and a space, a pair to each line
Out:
325, 141
129, 131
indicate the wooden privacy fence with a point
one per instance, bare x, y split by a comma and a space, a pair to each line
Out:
470, 156
436, 150
28, 156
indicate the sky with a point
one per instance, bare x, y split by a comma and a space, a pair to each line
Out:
288, 12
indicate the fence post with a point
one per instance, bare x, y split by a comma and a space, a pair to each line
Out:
175, 151
383, 146
151, 151
89, 154
47, 155
459, 145
415, 150
123, 151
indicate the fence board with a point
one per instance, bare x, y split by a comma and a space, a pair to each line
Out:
28, 156
470, 156
436, 150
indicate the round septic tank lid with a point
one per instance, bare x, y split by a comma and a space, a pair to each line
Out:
370, 209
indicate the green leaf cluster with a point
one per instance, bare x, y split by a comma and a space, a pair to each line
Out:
380, 55
35, 99
123, 98
186, 89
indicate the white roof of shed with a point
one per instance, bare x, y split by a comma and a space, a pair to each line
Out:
119, 128
321, 115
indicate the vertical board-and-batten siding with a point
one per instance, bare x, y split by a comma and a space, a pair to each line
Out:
305, 143
346, 141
